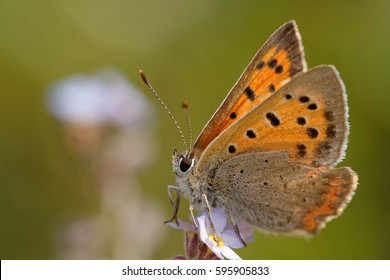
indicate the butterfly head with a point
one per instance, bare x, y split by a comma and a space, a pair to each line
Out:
182, 162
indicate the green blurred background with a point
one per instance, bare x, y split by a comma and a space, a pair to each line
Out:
192, 50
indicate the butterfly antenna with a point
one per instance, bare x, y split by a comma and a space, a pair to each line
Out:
145, 80
184, 106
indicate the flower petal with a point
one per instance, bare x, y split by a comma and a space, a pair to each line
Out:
231, 239
182, 226
245, 229
204, 236
228, 253
219, 219
217, 252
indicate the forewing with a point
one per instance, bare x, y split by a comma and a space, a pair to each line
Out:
307, 117
275, 64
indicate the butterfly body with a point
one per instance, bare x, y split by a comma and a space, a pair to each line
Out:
267, 156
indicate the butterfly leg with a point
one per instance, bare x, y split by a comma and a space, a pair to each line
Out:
235, 227
209, 213
175, 203
193, 216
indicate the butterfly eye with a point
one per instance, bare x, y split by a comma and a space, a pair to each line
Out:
185, 164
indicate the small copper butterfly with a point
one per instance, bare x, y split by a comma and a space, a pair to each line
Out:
267, 155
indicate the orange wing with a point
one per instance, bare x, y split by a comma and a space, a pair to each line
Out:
275, 64
307, 117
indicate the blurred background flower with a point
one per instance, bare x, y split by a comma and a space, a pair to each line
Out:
108, 125
192, 50
104, 98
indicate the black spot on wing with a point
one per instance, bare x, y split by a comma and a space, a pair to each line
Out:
323, 148
272, 63
260, 65
301, 150
312, 132
279, 69
250, 134
329, 116
250, 93
272, 119
304, 99
331, 131
301, 121
232, 149
271, 88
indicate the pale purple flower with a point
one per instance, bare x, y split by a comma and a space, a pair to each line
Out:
223, 239
105, 97
108, 125
182, 226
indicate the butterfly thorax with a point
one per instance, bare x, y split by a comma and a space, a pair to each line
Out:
190, 183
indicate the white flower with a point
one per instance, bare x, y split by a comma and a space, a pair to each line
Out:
223, 239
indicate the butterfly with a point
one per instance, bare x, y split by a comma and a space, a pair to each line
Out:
268, 154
